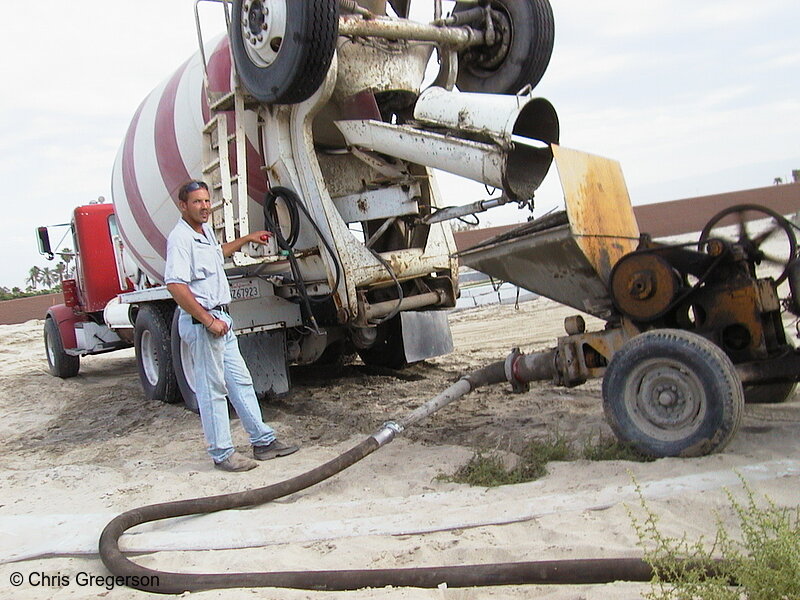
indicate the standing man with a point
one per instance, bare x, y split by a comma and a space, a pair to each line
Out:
195, 277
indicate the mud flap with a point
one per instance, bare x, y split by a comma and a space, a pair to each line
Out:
264, 352
425, 334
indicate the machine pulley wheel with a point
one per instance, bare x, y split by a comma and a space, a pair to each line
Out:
283, 49
771, 245
643, 286
524, 35
670, 392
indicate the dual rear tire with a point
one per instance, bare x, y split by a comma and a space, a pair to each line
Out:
151, 338
163, 359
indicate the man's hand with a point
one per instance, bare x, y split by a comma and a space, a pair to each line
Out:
257, 237
218, 327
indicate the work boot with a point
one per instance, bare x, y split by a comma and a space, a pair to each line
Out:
236, 463
274, 450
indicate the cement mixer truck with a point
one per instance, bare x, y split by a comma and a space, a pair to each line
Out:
310, 118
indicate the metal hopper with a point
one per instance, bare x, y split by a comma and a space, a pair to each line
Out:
568, 256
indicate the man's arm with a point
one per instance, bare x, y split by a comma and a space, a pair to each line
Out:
257, 237
187, 301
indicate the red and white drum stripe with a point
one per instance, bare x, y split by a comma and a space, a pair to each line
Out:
162, 149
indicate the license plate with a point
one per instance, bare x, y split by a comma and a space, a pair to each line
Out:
244, 289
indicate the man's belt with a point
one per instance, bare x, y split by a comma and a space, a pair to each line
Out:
220, 307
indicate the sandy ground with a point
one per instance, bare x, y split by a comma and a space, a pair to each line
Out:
79, 451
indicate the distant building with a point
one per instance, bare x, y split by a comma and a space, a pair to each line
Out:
680, 216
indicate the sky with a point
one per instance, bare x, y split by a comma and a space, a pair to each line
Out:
690, 97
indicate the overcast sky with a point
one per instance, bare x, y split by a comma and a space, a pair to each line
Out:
691, 97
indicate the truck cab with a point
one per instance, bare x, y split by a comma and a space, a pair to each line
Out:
78, 326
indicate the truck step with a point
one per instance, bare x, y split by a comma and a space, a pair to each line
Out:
225, 102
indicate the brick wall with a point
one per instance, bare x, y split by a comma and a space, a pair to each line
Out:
25, 309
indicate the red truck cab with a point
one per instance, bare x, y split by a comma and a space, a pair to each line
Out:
70, 326
93, 230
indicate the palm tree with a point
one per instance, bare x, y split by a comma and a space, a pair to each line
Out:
34, 276
60, 271
47, 277
67, 255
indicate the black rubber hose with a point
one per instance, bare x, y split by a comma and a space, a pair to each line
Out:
295, 205
176, 583
581, 571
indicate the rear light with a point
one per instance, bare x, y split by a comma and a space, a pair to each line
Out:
70, 289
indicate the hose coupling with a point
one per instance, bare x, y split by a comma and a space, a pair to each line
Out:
387, 432
518, 385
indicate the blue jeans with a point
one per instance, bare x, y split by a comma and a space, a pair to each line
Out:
220, 373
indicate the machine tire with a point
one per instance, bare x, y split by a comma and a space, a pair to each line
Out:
387, 351
184, 367
151, 338
333, 356
769, 393
301, 62
530, 46
60, 363
672, 393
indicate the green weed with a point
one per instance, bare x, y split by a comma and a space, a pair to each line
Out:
762, 562
610, 448
490, 470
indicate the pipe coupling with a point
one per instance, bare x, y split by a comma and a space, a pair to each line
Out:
387, 432
518, 385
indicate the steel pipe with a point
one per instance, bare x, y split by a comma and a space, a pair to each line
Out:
401, 29
381, 309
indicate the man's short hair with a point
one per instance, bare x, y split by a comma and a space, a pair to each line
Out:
189, 187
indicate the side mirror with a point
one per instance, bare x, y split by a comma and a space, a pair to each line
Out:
43, 237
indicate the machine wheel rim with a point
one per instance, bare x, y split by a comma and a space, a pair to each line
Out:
665, 399
481, 62
263, 25
149, 358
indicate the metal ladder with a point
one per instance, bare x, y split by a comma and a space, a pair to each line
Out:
229, 218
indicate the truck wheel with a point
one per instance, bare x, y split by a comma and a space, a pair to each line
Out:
672, 393
183, 364
769, 393
151, 338
387, 351
525, 34
282, 49
60, 363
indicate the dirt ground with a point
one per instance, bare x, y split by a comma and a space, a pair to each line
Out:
79, 451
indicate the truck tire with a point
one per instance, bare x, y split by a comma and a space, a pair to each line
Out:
151, 338
183, 364
526, 33
388, 350
672, 393
769, 393
59, 362
283, 49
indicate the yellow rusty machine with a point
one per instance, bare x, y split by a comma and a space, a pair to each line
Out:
693, 330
